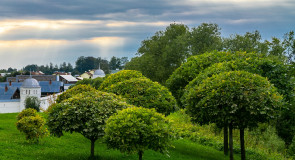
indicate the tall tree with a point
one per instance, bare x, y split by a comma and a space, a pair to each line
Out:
205, 38
161, 54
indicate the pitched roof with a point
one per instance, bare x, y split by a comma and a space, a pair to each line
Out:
5, 95
69, 78
54, 87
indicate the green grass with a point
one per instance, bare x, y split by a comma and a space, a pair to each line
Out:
74, 146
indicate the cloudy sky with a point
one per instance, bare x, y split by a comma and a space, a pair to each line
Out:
43, 31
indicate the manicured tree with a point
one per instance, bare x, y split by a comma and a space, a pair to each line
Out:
136, 129
84, 113
195, 64
240, 98
74, 91
32, 102
146, 93
119, 77
95, 83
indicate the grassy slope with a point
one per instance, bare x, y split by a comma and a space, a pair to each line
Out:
74, 146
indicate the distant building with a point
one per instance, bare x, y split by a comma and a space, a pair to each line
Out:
14, 92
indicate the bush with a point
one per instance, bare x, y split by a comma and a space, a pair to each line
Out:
32, 125
74, 91
32, 102
291, 150
146, 93
119, 77
136, 129
26, 113
95, 83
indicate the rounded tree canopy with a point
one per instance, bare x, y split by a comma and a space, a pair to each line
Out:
195, 64
237, 96
274, 70
84, 113
146, 93
119, 77
74, 91
137, 129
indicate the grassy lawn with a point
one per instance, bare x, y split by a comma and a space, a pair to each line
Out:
74, 146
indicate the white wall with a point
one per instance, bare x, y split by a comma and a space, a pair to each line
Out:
9, 107
47, 101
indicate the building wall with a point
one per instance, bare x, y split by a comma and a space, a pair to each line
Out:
9, 106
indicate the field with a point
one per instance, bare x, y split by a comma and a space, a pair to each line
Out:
74, 146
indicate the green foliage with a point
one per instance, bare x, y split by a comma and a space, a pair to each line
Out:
205, 38
291, 150
32, 102
84, 113
195, 64
95, 83
146, 93
74, 91
26, 113
137, 129
162, 53
119, 77
32, 125
238, 96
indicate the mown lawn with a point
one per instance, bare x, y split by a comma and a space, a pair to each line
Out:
74, 146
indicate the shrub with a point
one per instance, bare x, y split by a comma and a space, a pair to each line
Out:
95, 83
146, 93
31, 125
119, 77
26, 113
74, 91
136, 129
32, 102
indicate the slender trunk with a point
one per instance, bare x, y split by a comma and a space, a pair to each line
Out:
231, 149
140, 155
92, 148
225, 138
242, 141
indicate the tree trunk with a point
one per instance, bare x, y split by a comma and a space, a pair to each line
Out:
140, 155
242, 141
225, 138
231, 149
92, 148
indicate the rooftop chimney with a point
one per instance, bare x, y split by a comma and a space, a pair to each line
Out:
10, 83
50, 82
6, 88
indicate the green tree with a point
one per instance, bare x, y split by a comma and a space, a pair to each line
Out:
205, 38
161, 54
250, 42
289, 45
115, 63
238, 98
134, 130
146, 93
196, 64
80, 88
84, 113
32, 102
95, 83
119, 77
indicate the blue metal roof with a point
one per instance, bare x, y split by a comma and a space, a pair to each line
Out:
54, 87
8, 94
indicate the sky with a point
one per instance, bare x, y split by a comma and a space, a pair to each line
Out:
44, 31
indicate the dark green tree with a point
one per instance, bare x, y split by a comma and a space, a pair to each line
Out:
205, 38
161, 54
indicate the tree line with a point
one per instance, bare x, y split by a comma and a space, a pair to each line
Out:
82, 64
159, 55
